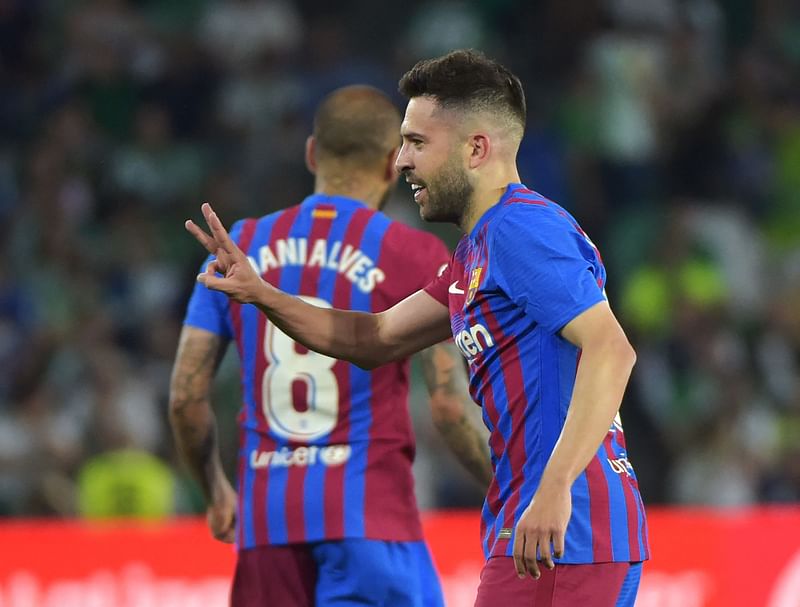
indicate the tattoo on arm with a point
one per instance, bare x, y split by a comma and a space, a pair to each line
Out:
454, 413
191, 417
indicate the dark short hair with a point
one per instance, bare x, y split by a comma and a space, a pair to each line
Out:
467, 80
356, 125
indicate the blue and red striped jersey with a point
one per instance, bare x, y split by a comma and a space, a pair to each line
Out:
524, 272
326, 448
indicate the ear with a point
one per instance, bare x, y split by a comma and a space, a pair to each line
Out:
480, 148
311, 154
390, 172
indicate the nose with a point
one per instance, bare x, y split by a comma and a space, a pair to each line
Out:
403, 162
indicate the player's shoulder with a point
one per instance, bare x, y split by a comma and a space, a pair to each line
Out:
243, 229
415, 251
238, 225
403, 228
252, 224
528, 211
291, 211
399, 234
523, 202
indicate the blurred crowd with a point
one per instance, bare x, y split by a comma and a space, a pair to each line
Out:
671, 128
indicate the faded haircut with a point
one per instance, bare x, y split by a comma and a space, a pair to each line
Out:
356, 125
468, 81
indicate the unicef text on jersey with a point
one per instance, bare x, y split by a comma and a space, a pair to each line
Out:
331, 455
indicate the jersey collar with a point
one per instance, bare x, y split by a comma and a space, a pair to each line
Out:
340, 202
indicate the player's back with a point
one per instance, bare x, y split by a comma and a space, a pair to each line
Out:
326, 447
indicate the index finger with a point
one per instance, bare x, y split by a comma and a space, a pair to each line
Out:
201, 237
218, 231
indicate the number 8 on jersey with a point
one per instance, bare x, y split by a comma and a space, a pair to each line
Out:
315, 371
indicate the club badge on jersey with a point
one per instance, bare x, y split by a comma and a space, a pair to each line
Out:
474, 283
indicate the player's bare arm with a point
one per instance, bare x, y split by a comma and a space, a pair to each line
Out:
455, 415
607, 359
367, 340
194, 425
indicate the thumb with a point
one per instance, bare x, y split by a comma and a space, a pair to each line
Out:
211, 281
217, 266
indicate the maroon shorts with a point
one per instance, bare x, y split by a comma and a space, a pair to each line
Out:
354, 572
283, 576
593, 585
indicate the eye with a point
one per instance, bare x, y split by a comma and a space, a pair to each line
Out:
414, 140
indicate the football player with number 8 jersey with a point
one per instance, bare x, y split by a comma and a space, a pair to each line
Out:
326, 510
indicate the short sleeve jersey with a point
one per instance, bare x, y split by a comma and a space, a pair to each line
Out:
326, 448
524, 272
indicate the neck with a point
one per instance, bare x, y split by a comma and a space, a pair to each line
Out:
486, 196
368, 190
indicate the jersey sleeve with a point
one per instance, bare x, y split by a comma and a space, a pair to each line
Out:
431, 263
437, 288
546, 265
414, 256
208, 309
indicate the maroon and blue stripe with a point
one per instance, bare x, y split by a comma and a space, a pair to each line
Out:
266, 231
616, 448
493, 503
246, 340
580, 536
335, 506
308, 485
305, 484
361, 383
618, 516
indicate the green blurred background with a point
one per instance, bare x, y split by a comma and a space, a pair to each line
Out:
670, 128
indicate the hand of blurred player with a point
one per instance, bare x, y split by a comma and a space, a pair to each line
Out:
541, 530
239, 279
221, 513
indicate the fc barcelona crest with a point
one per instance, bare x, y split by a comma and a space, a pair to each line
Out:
474, 282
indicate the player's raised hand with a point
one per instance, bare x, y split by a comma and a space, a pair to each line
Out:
218, 243
541, 530
239, 279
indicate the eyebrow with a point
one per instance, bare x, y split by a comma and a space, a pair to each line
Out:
412, 135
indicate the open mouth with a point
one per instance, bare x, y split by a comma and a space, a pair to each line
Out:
417, 190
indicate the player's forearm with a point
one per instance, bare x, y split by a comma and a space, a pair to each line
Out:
453, 412
195, 431
462, 437
342, 334
600, 383
190, 414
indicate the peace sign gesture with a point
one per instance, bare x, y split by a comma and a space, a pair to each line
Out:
240, 280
